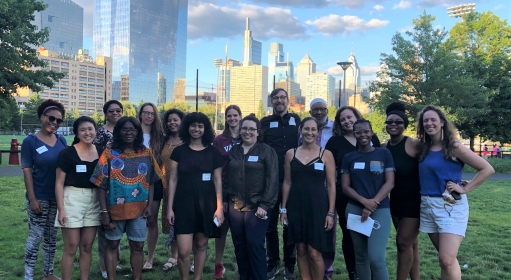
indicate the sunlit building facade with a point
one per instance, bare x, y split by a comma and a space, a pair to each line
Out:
147, 42
249, 88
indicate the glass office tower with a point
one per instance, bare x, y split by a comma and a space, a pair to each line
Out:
64, 18
147, 42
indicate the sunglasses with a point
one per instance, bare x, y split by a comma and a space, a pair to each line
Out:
118, 110
53, 119
396, 122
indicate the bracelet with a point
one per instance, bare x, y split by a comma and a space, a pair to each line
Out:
103, 211
283, 211
330, 214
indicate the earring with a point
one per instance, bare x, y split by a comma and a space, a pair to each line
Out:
442, 133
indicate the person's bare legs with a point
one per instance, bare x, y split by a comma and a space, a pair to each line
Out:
111, 258
184, 248
71, 238
152, 233
407, 248
317, 265
302, 258
449, 245
87, 236
136, 258
200, 254
220, 243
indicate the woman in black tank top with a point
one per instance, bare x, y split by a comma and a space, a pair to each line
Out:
405, 197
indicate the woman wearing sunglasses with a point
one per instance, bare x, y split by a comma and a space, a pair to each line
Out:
39, 154
224, 142
252, 191
113, 112
405, 198
367, 179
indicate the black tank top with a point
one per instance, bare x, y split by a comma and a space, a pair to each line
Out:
407, 171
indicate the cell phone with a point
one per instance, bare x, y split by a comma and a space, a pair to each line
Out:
455, 195
217, 223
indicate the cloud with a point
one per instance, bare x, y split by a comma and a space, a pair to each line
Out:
443, 3
364, 70
403, 4
406, 28
349, 4
336, 24
88, 12
210, 21
498, 7
378, 7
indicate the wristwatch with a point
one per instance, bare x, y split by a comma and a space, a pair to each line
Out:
283, 211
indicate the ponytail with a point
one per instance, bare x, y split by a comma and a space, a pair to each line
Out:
75, 140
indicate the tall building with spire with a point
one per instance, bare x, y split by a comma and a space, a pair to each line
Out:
303, 70
353, 79
252, 48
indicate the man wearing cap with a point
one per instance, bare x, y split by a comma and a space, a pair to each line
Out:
280, 132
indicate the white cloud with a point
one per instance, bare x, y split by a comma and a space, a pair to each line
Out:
364, 70
406, 28
210, 21
498, 7
336, 24
403, 4
349, 4
378, 7
88, 11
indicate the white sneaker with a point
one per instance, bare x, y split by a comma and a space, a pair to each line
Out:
104, 274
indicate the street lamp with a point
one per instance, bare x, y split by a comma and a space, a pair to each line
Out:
218, 63
344, 66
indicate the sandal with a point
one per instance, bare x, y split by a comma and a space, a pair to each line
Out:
148, 265
170, 264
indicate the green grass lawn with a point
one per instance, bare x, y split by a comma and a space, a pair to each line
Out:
486, 249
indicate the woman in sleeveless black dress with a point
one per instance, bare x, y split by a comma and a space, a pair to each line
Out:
311, 204
405, 198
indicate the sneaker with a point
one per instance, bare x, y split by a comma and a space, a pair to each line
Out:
272, 272
192, 267
219, 271
289, 273
104, 275
353, 276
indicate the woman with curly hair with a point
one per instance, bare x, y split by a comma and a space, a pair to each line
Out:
125, 175
153, 138
444, 207
39, 154
195, 192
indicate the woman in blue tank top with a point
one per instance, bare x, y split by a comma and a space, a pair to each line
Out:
441, 162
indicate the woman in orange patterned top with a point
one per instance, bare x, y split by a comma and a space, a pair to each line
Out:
125, 175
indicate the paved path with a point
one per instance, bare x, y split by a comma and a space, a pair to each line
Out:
16, 171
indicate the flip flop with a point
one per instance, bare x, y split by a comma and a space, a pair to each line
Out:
147, 265
170, 264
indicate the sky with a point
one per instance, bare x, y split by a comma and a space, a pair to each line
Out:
326, 30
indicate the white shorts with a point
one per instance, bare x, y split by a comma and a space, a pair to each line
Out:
81, 206
438, 217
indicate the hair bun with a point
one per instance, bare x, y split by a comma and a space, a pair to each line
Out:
396, 106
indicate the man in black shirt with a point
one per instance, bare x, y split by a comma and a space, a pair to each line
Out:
280, 132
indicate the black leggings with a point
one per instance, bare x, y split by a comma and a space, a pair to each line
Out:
348, 250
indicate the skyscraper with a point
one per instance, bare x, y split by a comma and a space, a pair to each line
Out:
252, 48
64, 18
147, 41
249, 88
282, 69
320, 85
352, 75
305, 67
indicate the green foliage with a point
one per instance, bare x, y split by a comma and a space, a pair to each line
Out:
129, 109
332, 110
377, 120
173, 105
260, 110
9, 113
17, 40
500, 166
30, 119
98, 118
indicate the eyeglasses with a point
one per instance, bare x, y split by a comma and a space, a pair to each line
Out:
53, 119
146, 113
118, 110
317, 110
249, 129
281, 97
129, 131
360, 132
396, 122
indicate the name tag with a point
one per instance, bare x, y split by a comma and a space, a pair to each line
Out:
292, 121
41, 149
206, 176
319, 166
81, 168
274, 124
253, 158
359, 165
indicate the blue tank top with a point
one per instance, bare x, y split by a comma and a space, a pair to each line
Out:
435, 171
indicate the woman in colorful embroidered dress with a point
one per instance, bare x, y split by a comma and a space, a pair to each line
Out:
125, 175
172, 119
153, 138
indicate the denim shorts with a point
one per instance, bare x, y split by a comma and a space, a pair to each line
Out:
135, 229
438, 217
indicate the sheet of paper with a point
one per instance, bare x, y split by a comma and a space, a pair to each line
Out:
355, 224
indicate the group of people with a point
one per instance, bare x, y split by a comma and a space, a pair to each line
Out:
305, 174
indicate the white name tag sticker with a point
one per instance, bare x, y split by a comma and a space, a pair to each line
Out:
447, 222
359, 165
319, 166
253, 158
206, 176
292, 121
81, 168
274, 124
41, 149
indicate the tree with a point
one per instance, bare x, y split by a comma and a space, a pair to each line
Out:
173, 105
17, 40
377, 120
9, 113
427, 70
128, 109
332, 110
97, 118
260, 110
209, 111
30, 119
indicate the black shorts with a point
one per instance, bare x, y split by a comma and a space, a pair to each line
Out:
158, 191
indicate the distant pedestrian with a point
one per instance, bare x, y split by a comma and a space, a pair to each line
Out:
494, 150
499, 152
39, 154
485, 151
